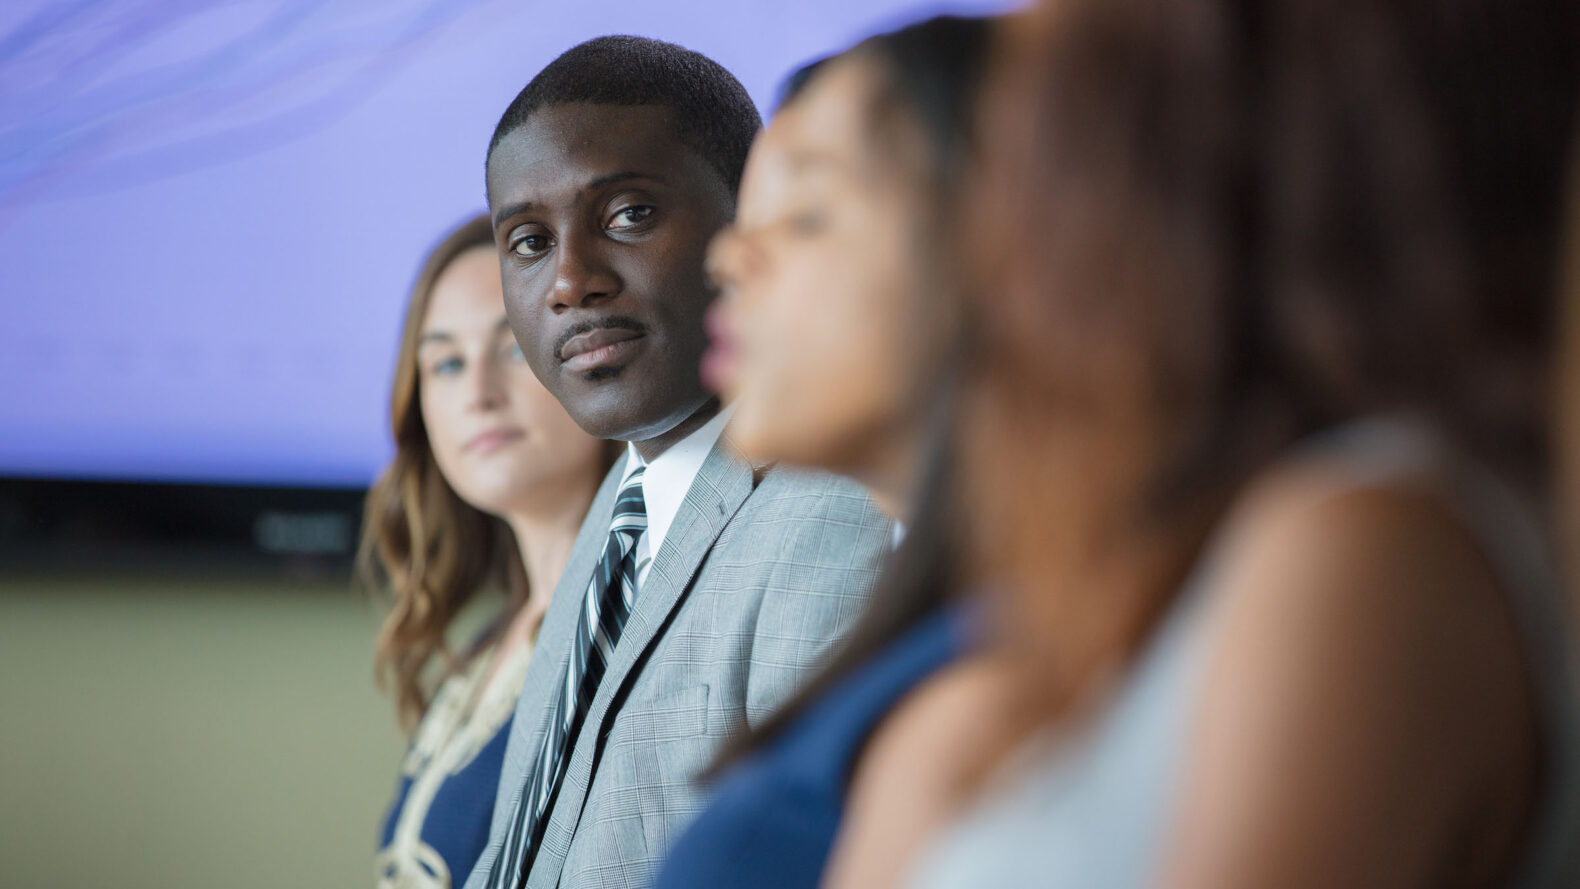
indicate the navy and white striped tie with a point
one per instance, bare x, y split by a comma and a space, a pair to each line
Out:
610, 596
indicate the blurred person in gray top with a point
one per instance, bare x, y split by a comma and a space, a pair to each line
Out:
701, 589
1257, 450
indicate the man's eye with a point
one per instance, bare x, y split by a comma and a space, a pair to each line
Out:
630, 216
445, 367
529, 245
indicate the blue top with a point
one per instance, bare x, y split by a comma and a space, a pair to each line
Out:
457, 818
775, 814
437, 826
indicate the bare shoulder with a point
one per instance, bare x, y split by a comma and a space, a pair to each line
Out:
915, 771
953, 713
1366, 718
1316, 563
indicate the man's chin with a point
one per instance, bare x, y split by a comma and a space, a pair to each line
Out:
621, 425
612, 422
603, 374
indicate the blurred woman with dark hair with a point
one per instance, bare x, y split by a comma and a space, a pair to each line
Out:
1254, 448
1568, 400
836, 341
487, 489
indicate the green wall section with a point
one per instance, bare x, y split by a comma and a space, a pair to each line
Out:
189, 734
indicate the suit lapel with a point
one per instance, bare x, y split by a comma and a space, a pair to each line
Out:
722, 485
547, 667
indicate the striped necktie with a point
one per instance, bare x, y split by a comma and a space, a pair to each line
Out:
610, 596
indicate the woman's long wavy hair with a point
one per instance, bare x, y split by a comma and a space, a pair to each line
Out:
423, 548
1252, 221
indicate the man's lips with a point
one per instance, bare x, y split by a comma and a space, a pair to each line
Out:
598, 348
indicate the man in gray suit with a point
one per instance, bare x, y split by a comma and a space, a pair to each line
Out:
700, 589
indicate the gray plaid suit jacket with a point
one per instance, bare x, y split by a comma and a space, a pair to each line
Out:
754, 581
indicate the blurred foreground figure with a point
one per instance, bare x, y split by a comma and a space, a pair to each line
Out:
490, 481
836, 338
1255, 441
1568, 456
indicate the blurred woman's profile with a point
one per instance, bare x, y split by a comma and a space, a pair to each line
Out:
832, 338
836, 344
478, 508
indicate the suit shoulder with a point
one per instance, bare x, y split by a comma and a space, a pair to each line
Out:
802, 486
791, 509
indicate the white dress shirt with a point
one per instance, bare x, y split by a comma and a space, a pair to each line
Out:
667, 482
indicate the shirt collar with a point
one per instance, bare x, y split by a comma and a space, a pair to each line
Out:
669, 477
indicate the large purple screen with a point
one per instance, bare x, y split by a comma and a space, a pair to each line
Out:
210, 212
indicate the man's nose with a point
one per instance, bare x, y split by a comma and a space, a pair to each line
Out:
583, 275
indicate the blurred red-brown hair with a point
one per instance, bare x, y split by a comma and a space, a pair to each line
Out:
1207, 229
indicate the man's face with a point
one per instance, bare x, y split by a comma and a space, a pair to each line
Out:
602, 218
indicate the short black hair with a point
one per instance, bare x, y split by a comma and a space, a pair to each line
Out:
714, 115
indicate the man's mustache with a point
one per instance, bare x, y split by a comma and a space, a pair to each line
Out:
620, 322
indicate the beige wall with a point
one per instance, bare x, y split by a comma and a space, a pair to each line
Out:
189, 734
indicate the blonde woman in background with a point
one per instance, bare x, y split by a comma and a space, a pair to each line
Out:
488, 487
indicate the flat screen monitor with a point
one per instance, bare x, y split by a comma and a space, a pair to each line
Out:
211, 213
